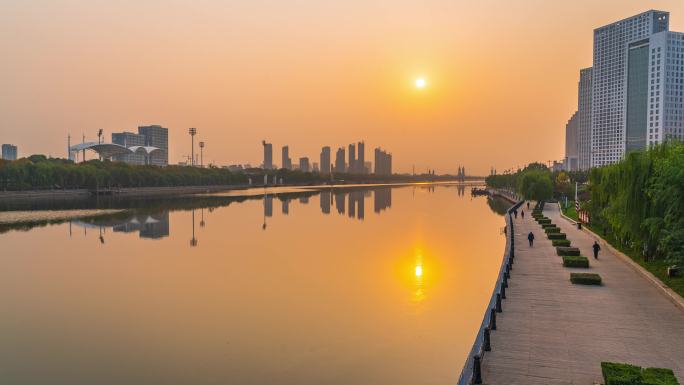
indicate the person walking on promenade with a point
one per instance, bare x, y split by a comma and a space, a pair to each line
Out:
530, 237
596, 248
515, 212
522, 214
528, 205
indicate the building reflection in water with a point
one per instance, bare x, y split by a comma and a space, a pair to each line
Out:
151, 226
382, 199
285, 204
461, 190
156, 225
325, 197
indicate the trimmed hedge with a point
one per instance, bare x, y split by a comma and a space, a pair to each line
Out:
568, 251
658, 376
553, 236
626, 374
551, 225
582, 262
543, 221
552, 230
585, 279
560, 242
620, 374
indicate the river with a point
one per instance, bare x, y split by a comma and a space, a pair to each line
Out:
369, 285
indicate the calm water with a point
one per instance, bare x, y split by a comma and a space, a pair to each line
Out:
359, 286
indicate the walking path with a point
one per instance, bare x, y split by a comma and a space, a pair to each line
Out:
554, 332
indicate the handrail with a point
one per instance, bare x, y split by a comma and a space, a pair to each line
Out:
471, 372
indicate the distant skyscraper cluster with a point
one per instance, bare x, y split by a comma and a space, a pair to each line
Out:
9, 152
633, 95
351, 160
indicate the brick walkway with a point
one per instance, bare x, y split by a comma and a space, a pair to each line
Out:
554, 332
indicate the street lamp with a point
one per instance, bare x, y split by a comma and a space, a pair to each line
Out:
192, 131
201, 146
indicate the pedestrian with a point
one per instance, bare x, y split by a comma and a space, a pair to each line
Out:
515, 212
528, 205
530, 237
522, 214
596, 248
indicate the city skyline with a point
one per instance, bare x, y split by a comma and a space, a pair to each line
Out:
348, 92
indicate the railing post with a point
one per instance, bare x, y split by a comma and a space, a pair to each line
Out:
486, 344
477, 370
503, 289
498, 303
492, 319
505, 279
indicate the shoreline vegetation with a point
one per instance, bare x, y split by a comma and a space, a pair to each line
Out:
38, 172
635, 205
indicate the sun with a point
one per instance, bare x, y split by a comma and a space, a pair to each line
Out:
420, 83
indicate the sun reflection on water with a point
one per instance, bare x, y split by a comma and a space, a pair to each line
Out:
419, 291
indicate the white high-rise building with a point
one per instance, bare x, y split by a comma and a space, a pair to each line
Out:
609, 104
584, 120
571, 161
662, 97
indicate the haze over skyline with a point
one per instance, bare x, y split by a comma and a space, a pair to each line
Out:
500, 77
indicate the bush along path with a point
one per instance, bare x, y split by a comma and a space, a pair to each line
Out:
554, 331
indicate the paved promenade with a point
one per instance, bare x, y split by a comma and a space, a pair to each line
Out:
554, 332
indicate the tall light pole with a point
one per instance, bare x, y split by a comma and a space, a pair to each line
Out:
192, 131
201, 146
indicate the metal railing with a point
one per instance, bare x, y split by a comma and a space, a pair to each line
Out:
472, 370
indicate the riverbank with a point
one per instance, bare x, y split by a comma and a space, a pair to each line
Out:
554, 332
14, 217
137, 192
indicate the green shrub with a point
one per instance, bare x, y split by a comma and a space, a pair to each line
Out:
567, 251
575, 262
543, 221
587, 279
560, 242
552, 230
625, 374
551, 225
553, 236
658, 376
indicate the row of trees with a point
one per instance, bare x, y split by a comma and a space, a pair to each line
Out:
640, 201
535, 182
39, 172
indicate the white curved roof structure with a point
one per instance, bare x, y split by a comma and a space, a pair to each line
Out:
108, 150
146, 149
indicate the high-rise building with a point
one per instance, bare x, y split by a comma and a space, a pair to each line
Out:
156, 136
383, 162
352, 159
325, 160
655, 90
339, 161
584, 119
286, 161
361, 158
129, 139
571, 149
268, 155
315, 168
621, 57
304, 165
9, 152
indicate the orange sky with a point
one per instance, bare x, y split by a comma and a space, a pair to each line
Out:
502, 75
